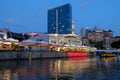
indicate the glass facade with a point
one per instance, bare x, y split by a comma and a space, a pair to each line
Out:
60, 20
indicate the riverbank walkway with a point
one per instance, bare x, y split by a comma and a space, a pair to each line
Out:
113, 51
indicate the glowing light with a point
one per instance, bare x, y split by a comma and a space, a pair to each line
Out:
76, 53
77, 58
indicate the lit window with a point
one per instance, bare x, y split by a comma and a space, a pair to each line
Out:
61, 30
52, 12
61, 10
52, 17
63, 26
52, 24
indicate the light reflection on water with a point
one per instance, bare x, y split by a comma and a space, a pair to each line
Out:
80, 68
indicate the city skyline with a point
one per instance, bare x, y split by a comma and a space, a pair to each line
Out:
31, 16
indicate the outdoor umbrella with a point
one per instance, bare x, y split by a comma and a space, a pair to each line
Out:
11, 40
28, 42
43, 44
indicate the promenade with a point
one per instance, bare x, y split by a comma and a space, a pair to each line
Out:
11, 55
20, 55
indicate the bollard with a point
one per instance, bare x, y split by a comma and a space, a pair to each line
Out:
30, 58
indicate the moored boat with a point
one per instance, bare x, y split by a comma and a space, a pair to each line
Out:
107, 54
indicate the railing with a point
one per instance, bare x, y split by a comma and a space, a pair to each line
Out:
117, 52
107, 50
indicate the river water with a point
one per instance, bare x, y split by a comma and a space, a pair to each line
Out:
79, 68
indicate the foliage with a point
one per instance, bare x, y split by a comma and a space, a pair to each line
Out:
91, 43
116, 44
98, 45
14, 46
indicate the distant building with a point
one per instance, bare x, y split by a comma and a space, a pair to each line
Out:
84, 31
107, 41
95, 36
116, 38
73, 28
60, 20
85, 41
96, 28
98, 35
5, 33
105, 38
18, 36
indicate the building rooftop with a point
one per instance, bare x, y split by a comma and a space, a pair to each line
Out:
60, 6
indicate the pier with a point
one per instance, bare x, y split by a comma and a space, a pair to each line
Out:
11, 55
21, 55
115, 51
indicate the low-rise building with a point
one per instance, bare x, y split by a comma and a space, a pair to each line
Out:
85, 41
107, 41
100, 37
65, 39
6, 33
116, 38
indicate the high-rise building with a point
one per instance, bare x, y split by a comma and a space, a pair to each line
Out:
73, 28
84, 31
60, 20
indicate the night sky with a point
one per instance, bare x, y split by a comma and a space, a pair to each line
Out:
31, 15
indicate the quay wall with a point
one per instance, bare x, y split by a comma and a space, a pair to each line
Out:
11, 55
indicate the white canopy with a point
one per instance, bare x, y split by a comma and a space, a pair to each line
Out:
53, 44
28, 42
43, 43
11, 40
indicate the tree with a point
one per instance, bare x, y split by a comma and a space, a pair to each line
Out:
91, 43
99, 45
116, 44
14, 46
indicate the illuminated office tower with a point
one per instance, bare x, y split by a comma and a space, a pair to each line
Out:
60, 20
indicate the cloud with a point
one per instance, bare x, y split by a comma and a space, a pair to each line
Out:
11, 22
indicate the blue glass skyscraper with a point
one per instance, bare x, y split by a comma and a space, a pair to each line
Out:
60, 20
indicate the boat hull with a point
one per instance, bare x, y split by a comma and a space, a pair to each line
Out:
107, 54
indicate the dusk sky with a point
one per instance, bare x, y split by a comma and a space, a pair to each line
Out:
31, 15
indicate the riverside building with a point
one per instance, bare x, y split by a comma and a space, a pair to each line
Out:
60, 20
99, 37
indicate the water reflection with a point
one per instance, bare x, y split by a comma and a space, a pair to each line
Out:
80, 68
